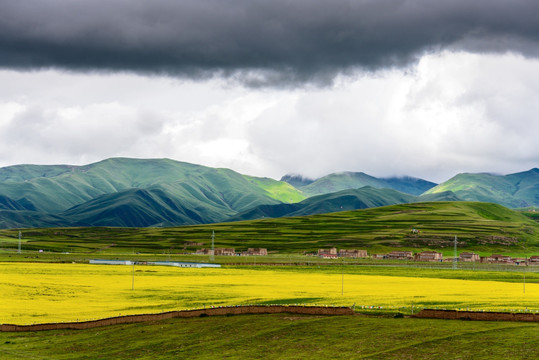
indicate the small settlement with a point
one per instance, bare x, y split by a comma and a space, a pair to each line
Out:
425, 256
333, 254
428, 256
232, 252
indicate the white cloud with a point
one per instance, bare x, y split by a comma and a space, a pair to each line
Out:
454, 112
48, 134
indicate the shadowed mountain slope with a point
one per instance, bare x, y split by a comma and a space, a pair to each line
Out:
365, 197
136, 207
56, 188
177, 193
10, 204
10, 219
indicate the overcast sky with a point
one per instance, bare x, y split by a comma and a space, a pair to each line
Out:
267, 87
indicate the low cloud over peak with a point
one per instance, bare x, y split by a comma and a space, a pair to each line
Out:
277, 42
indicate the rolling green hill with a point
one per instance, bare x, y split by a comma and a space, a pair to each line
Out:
440, 196
354, 180
162, 192
136, 207
365, 197
194, 193
61, 187
10, 219
517, 190
481, 227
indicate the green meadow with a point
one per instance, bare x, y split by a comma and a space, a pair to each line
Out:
282, 336
480, 227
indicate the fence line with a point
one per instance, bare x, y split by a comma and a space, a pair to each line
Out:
476, 315
212, 311
419, 307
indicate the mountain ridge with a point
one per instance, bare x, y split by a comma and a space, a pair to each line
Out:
344, 200
201, 194
353, 180
517, 190
166, 192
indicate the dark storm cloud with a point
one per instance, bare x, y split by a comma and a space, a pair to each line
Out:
257, 41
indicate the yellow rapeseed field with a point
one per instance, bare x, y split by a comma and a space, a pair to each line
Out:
39, 293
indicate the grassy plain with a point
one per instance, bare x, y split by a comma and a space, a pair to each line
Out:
41, 292
282, 336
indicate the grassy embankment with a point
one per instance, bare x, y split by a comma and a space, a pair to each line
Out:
282, 337
480, 227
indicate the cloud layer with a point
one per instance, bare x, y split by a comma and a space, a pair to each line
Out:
409, 87
277, 42
456, 112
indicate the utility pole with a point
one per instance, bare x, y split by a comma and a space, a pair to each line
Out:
212, 253
19, 249
455, 255
133, 278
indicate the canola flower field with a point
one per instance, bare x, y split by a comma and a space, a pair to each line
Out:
48, 292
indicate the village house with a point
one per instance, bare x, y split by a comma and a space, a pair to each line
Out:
497, 259
204, 251
224, 252
255, 252
534, 260
469, 257
217, 251
379, 256
429, 256
400, 255
332, 251
353, 253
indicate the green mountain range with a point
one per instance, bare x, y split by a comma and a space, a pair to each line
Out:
352, 199
354, 180
161, 193
132, 192
517, 190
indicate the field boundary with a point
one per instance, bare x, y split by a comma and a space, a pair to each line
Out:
213, 311
476, 315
